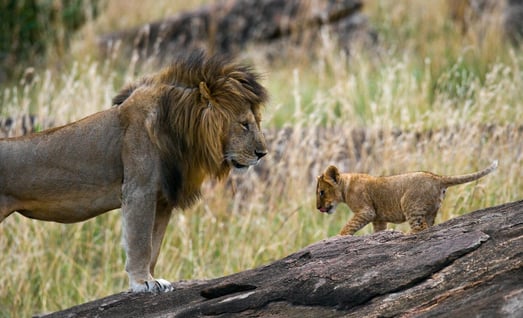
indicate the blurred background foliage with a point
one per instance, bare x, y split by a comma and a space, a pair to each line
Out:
441, 91
29, 28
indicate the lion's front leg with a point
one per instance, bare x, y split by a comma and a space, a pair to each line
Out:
138, 214
161, 220
140, 191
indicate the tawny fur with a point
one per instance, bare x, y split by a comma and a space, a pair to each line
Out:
150, 153
413, 197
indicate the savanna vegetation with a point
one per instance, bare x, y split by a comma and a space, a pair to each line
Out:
456, 97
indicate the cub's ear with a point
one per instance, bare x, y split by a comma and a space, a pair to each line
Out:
333, 174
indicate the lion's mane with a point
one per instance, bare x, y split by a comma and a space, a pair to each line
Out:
201, 96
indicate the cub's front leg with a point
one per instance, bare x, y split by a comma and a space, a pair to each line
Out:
379, 226
360, 219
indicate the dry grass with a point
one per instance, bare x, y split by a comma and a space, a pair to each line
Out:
462, 100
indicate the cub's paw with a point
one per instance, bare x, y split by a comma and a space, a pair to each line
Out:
152, 286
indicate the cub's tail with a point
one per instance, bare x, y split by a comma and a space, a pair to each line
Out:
455, 180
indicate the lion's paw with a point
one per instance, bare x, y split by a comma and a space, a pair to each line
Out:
153, 286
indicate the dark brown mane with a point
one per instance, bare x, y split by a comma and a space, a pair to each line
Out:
218, 72
202, 96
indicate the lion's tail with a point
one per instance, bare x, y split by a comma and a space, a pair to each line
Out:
455, 180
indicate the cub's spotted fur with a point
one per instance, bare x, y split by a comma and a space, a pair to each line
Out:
414, 197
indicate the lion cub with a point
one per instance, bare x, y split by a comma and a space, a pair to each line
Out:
414, 197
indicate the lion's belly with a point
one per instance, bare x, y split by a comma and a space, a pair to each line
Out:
66, 174
72, 208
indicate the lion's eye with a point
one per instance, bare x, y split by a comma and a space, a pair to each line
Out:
322, 193
245, 125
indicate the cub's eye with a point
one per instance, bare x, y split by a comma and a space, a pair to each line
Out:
322, 193
245, 125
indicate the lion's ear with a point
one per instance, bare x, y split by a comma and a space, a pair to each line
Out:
333, 174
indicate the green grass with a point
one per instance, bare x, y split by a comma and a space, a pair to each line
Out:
442, 87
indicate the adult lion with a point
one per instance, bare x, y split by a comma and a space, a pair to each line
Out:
149, 154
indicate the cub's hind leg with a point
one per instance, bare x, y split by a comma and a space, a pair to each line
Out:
379, 226
417, 220
430, 217
432, 209
416, 208
359, 220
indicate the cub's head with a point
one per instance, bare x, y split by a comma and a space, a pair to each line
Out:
328, 190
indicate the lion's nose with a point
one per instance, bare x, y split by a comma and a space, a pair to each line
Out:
260, 153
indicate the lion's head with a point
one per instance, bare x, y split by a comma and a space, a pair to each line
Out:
328, 190
207, 121
245, 143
